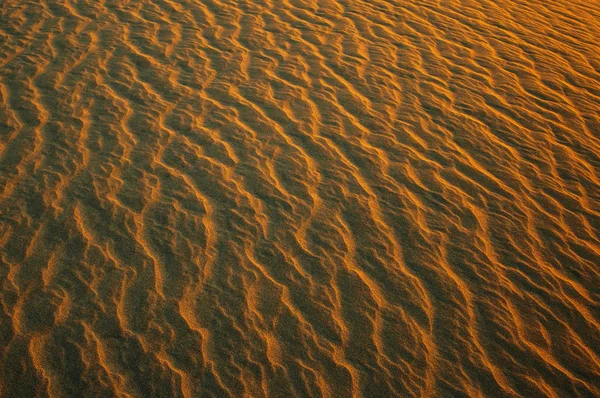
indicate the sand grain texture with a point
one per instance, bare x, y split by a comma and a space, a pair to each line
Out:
337, 198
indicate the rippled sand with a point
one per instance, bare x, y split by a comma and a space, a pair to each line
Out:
299, 198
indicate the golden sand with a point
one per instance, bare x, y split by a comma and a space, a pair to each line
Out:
337, 198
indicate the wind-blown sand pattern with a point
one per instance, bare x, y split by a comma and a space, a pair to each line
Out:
299, 198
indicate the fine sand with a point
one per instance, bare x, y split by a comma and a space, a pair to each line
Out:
299, 198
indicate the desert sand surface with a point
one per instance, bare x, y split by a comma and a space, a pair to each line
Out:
299, 198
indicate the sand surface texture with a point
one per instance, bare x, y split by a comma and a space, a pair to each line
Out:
336, 198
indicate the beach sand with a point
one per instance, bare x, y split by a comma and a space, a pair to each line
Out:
299, 198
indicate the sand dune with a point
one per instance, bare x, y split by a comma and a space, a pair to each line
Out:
337, 198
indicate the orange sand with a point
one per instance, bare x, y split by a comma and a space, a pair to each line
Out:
337, 198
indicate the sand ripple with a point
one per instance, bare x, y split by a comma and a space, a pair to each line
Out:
299, 198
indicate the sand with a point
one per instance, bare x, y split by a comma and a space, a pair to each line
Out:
310, 198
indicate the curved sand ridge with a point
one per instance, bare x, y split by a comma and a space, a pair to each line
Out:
299, 198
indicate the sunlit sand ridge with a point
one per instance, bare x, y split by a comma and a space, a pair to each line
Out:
299, 198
